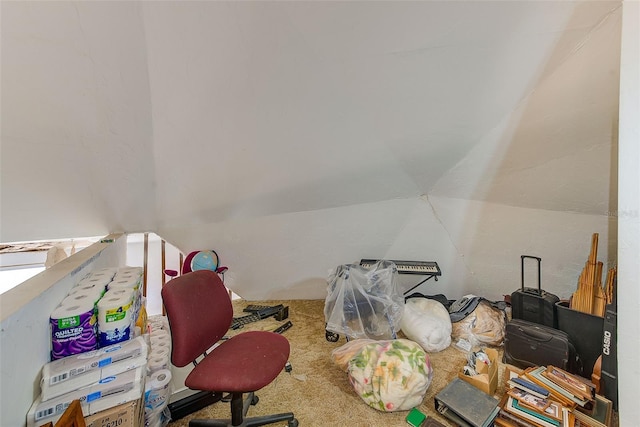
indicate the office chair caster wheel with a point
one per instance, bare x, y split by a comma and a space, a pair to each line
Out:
331, 336
293, 423
254, 400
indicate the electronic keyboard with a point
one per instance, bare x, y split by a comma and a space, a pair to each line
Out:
429, 268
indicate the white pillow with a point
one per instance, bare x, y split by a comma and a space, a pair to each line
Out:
427, 322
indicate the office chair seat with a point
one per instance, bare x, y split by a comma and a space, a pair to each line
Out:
200, 313
257, 357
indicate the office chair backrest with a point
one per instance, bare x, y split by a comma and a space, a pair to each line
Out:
186, 264
199, 311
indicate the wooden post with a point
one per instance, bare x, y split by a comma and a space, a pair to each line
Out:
164, 261
164, 266
144, 270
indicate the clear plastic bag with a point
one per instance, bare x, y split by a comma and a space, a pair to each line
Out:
485, 325
342, 355
364, 302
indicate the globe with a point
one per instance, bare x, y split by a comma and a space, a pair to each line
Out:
204, 260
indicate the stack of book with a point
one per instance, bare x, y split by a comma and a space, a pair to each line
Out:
466, 405
551, 397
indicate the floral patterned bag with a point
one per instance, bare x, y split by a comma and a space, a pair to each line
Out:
391, 375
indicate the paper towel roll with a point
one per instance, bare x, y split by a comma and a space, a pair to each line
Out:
131, 271
158, 343
158, 361
120, 291
158, 322
125, 282
80, 297
87, 286
115, 317
108, 272
128, 283
159, 349
157, 391
95, 281
93, 292
73, 327
160, 333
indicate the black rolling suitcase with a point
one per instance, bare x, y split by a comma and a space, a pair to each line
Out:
530, 344
534, 305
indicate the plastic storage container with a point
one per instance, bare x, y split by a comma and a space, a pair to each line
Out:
585, 332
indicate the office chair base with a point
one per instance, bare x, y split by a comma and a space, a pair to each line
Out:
239, 409
256, 421
190, 404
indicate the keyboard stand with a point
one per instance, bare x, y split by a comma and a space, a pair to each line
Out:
430, 269
420, 283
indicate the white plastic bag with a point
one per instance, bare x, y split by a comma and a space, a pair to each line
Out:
427, 322
364, 303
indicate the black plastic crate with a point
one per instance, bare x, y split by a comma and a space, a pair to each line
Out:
585, 332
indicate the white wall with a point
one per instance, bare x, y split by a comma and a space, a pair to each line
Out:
477, 245
629, 219
289, 256
24, 329
76, 121
155, 273
489, 239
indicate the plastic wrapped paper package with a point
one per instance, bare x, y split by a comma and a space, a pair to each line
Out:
364, 302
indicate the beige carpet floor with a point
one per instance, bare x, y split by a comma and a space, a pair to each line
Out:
317, 391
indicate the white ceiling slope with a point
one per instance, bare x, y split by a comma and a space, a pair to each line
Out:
268, 108
209, 121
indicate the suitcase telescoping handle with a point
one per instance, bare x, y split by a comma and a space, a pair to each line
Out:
522, 258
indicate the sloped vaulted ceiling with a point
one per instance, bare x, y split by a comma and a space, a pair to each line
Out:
297, 106
204, 120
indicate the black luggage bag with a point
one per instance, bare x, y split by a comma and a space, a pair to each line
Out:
534, 305
530, 344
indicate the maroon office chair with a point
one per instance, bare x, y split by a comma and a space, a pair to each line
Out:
200, 313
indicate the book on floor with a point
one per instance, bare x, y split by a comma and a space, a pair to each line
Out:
466, 405
528, 386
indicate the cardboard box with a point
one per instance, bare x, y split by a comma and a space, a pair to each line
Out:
487, 378
130, 414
